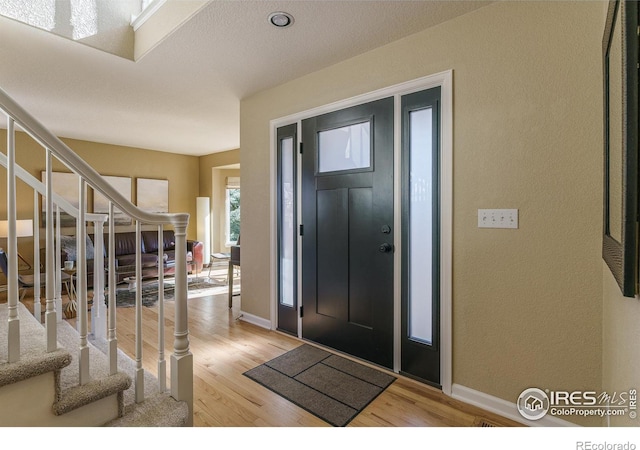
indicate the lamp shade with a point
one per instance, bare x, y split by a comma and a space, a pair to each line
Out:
24, 228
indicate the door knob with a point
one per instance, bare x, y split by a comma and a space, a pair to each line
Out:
385, 248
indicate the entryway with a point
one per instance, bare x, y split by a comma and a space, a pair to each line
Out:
360, 238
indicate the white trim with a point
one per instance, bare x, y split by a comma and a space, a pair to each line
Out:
429, 81
503, 408
273, 221
255, 320
446, 231
445, 81
145, 14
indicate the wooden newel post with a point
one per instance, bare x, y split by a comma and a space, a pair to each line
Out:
182, 359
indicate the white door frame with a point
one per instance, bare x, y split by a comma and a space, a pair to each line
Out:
445, 81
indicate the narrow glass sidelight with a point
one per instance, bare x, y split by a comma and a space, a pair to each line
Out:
287, 223
345, 148
420, 275
286, 164
421, 226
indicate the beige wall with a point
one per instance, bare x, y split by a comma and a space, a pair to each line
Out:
181, 171
527, 134
215, 160
213, 173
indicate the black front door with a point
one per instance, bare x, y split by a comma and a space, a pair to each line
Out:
347, 241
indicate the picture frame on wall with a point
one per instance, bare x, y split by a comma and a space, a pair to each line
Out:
67, 186
152, 195
101, 204
620, 50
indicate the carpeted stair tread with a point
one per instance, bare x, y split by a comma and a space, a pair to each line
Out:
159, 410
34, 358
33, 365
101, 383
92, 391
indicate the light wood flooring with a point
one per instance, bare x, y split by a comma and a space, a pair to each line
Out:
224, 347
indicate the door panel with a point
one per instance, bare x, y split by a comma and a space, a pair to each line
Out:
333, 254
361, 264
347, 201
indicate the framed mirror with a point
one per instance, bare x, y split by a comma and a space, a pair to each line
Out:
620, 46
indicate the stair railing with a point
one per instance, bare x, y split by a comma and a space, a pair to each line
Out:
181, 361
60, 204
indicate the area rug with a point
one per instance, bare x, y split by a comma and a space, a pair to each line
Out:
126, 298
331, 387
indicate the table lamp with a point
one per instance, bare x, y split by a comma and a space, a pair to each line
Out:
24, 228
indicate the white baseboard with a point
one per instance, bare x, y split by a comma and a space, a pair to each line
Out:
503, 408
259, 321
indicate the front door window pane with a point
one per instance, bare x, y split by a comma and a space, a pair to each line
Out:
344, 148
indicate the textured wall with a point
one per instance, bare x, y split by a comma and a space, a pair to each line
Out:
527, 134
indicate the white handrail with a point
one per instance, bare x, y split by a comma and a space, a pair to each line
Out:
40, 187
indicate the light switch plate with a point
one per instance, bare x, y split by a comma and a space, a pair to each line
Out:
497, 218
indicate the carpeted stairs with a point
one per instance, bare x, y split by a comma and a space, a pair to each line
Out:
158, 408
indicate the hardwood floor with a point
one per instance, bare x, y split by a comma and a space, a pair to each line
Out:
224, 347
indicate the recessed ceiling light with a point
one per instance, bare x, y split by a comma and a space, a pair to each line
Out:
281, 19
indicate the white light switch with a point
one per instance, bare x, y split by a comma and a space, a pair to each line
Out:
497, 218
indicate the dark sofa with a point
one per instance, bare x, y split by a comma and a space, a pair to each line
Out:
125, 254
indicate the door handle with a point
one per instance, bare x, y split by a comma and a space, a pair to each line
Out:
385, 248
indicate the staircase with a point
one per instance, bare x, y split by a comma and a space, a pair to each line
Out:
44, 386
52, 374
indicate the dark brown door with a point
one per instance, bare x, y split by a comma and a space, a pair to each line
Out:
347, 243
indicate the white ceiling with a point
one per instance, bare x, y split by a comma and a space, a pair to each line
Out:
184, 95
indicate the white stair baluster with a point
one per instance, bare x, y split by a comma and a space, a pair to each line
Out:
112, 337
12, 250
81, 288
139, 389
162, 363
37, 306
98, 310
58, 269
50, 317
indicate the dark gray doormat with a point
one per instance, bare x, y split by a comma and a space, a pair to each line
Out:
333, 388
